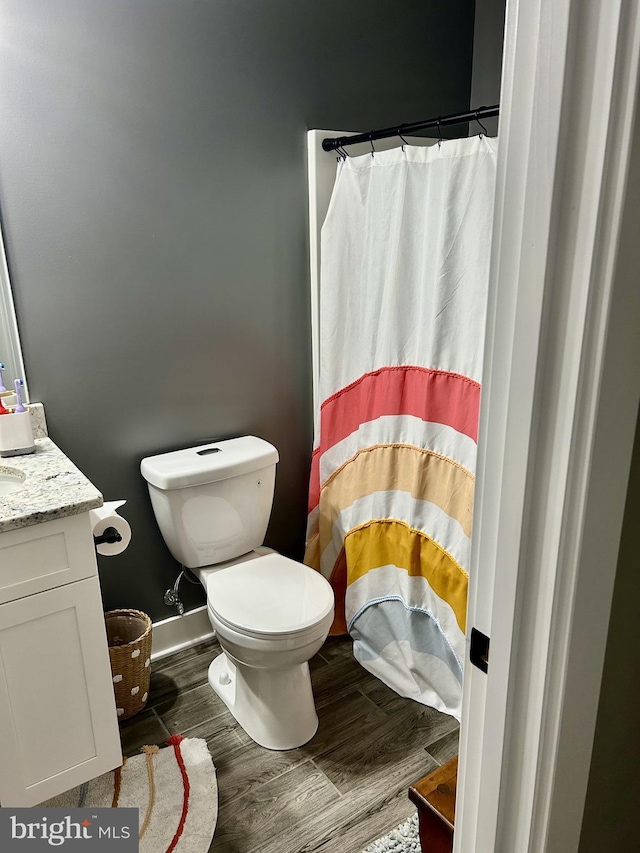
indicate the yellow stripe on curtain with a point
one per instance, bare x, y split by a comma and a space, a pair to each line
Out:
384, 542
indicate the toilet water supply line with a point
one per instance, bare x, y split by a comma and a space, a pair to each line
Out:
172, 596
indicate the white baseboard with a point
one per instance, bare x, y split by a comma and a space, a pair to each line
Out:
180, 632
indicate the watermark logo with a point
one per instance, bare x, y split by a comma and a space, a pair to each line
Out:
36, 830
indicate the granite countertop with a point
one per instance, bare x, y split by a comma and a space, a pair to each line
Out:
53, 488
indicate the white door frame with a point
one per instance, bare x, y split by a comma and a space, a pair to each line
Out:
560, 399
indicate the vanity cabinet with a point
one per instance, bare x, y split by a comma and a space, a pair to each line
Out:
58, 722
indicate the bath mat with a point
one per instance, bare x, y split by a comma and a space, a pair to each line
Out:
174, 789
403, 839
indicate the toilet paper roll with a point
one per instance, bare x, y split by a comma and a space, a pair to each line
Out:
107, 516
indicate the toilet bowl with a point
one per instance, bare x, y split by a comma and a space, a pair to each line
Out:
271, 614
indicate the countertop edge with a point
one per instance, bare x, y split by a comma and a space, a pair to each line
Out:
53, 488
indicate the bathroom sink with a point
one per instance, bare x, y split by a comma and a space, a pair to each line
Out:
10, 480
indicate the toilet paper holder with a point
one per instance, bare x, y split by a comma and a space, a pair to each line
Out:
109, 536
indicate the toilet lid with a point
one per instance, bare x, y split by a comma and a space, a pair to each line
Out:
269, 595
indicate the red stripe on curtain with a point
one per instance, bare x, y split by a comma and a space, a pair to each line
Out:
431, 395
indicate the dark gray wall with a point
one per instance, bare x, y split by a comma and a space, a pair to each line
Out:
487, 58
153, 195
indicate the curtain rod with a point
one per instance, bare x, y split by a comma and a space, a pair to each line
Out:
408, 129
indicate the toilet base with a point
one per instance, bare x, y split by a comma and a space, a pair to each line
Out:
274, 706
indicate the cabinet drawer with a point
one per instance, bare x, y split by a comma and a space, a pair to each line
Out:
47, 555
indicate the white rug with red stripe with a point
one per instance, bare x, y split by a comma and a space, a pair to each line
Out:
174, 789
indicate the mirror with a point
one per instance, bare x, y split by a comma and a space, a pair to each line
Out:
10, 351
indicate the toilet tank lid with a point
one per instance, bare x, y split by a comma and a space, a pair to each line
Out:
208, 463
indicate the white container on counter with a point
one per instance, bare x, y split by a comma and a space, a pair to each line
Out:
16, 434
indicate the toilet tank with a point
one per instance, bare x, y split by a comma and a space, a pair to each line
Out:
213, 502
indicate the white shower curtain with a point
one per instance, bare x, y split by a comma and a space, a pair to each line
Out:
404, 267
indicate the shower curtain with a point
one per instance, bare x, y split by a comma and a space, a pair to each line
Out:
403, 287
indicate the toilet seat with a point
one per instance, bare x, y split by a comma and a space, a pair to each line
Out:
269, 596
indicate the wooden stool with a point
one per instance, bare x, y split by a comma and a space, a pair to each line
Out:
435, 797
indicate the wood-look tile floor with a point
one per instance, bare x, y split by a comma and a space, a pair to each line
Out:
336, 794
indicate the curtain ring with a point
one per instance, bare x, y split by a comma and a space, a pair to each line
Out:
439, 133
373, 150
481, 125
404, 141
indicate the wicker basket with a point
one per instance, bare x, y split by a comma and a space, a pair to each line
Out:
129, 637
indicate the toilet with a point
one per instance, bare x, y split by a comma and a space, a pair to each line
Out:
271, 614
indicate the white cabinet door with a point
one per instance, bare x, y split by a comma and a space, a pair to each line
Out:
58, 723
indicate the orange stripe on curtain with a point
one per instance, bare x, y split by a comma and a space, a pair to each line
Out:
425, 475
